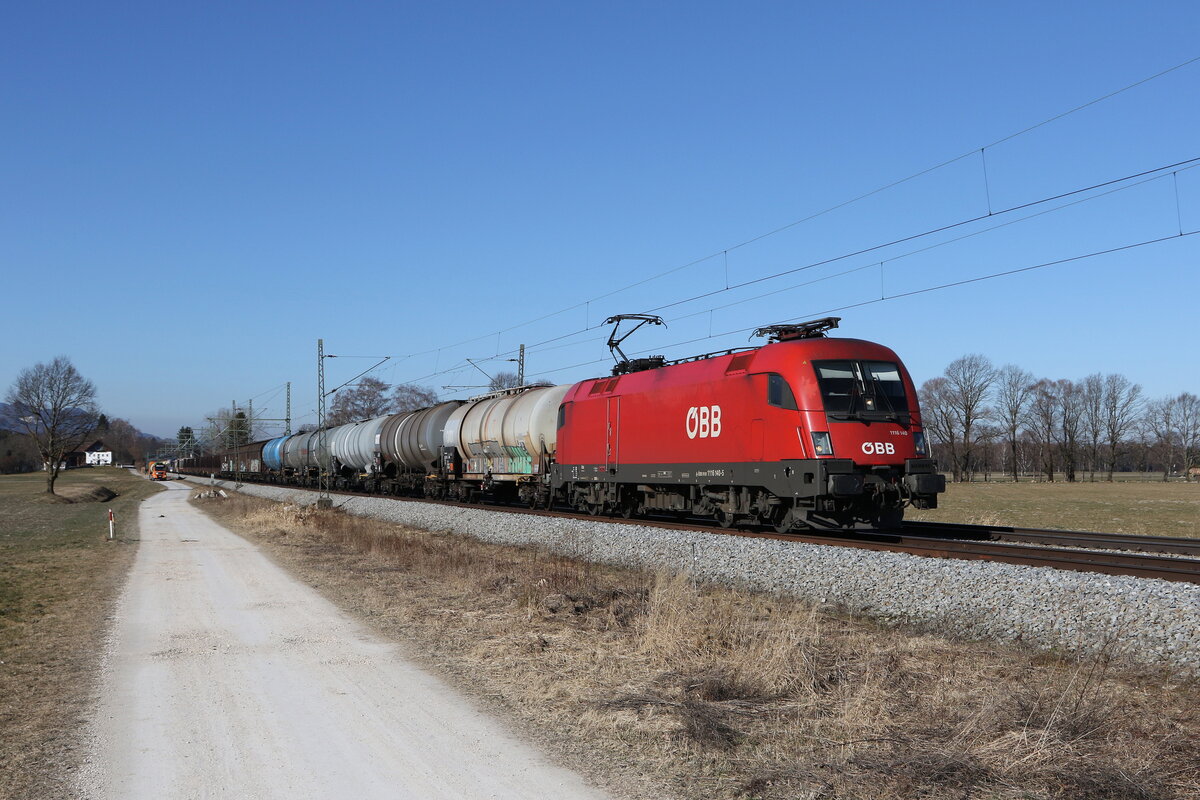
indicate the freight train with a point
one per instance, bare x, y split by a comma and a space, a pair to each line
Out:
805, 431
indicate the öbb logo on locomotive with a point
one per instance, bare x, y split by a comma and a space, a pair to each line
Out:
806, 431
704, 422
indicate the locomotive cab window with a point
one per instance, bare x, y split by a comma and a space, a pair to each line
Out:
779, 394
862, 390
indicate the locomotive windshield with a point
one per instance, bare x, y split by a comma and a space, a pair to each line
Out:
862, 390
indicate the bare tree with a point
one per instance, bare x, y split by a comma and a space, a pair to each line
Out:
1014, 389
1070, 412
57, 408
1043, 423
1122, 407
410, 397
124, 439
1091, 420
968, 381
17, 453
1160, 423
1187, 423
366, 399
503, 380
939, 421
227, 428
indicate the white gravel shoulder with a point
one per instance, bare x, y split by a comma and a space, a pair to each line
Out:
225, 677
1150, 622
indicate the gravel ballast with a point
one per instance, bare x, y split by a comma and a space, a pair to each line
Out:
1150, 622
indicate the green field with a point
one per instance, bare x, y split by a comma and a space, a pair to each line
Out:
1147, 508
58, 578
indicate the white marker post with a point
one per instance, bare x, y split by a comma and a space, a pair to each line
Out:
110, 525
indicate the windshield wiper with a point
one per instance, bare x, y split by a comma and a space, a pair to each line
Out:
879, 392
850, 412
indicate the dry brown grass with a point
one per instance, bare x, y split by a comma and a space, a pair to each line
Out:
655, 686
58, 579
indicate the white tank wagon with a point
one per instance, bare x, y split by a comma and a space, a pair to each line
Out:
505, 439
320, 449
355, 448
296, 453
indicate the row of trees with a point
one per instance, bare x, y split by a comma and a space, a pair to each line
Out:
371, 397
984, 418
368, 398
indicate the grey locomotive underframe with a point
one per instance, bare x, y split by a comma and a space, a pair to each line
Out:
789, 493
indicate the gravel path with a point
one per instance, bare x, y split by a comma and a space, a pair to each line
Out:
227, 678
1149, 622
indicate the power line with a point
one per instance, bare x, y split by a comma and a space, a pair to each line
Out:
1155, 173
725, 251
927, 248
899, 295
930, 232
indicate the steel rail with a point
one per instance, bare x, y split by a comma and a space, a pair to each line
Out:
1090, 539
1109, 562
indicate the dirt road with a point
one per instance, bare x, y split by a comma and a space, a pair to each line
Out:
227, 678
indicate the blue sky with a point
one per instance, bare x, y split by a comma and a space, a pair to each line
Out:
192, 194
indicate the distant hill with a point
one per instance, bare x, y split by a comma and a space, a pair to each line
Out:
8, 420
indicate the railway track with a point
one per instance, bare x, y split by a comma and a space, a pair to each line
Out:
1110, 554
1068, 550
1088, 539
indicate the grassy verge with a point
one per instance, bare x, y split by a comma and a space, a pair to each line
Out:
1146, 508
658, 687
58, 578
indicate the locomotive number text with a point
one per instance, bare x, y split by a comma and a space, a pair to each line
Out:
704, 421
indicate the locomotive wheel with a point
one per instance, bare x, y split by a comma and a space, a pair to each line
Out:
890, 518
725, 519
628, 510
594, 509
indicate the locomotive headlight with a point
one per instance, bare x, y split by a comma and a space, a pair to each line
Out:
821, 444
919, 444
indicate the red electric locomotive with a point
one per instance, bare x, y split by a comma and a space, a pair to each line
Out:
805, 431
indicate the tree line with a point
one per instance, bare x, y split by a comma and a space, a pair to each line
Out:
983, 419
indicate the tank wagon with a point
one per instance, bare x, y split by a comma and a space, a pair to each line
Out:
804, 431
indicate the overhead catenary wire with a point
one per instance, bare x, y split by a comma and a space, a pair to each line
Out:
911, 293
887, 298
934, 246
1147, 175
725, 251
585, 304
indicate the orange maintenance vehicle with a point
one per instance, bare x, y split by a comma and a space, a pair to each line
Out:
156, 471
